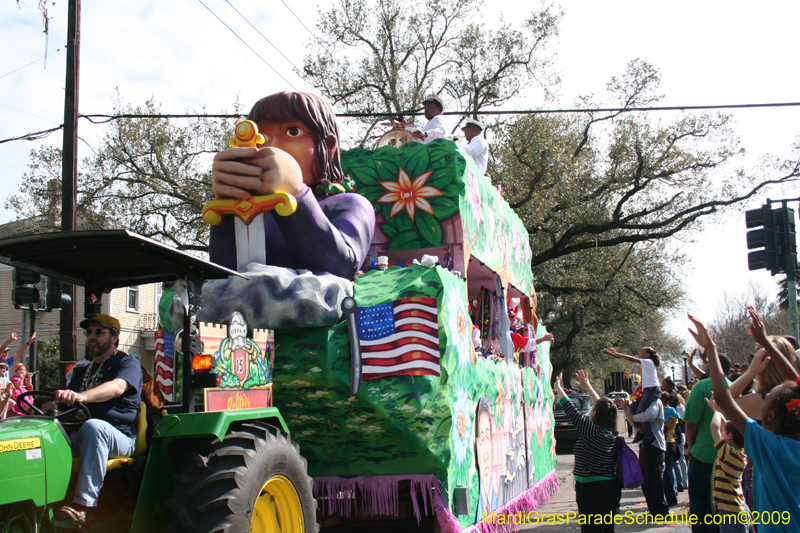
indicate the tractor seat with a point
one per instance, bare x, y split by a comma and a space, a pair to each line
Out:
141, 443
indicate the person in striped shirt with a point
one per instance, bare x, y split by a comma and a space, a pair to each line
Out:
597, 487
727, 494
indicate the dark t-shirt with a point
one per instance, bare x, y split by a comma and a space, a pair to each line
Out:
123, 411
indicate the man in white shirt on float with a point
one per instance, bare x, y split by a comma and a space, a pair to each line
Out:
476, 146
435, 128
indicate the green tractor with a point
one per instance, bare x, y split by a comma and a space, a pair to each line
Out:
442, 424
223, 471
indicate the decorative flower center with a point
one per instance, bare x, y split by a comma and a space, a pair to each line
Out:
409, 195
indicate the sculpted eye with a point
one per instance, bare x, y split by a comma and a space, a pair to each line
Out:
294, 131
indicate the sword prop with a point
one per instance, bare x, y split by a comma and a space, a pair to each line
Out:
249, 222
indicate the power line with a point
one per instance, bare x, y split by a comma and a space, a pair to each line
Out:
29, 114
298, 20
104, 118
32, 136
247, 45
32, 62
92, 118
261, 34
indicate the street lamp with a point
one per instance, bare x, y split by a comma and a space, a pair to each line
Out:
685, 368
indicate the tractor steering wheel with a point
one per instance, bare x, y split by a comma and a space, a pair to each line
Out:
79, 413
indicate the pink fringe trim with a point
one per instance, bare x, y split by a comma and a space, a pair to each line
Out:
379, 496
530, 500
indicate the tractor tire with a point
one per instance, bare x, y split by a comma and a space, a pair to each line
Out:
254, 479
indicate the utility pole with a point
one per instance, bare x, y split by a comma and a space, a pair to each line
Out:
69, 172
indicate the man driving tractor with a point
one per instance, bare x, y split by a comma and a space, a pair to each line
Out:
111, 389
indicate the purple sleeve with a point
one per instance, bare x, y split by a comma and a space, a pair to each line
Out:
326, 234
330, 234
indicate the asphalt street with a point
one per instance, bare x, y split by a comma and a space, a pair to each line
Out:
632, 505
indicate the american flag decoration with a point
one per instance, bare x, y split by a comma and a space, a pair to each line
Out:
165, 363
399, 338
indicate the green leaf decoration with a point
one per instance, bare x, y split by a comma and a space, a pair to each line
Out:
417, 163
364, 175
430, 228
408, 240
387, 170
390, 230
444, 207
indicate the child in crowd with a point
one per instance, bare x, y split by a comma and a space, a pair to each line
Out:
671, 472
773, 447
5, 390
728, 494
21, 382
651, 388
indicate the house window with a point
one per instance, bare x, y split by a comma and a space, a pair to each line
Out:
133, 298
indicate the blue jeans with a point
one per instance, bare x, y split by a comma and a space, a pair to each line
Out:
670, 480
700, 497
95, 442
733, 526
683, 478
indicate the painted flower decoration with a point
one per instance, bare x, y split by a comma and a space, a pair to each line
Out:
500, 401
517, 245
474, 195
409, 195
462, 426
459, 325
538, 421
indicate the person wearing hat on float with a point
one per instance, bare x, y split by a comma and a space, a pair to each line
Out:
435, 128
477, 147
111, 388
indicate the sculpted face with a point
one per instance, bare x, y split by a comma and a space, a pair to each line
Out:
294, 139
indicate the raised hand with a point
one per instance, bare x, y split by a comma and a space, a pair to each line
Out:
583, 379
559, 386
613, 352
758, 329
711, 403
759, 364
701, 335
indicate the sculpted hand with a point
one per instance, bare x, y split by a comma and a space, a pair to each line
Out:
242, 172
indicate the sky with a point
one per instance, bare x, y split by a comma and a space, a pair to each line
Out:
181, 54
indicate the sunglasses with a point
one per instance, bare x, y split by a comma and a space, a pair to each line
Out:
95, 332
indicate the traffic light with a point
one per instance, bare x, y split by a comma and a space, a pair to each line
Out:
787, 240
59, 294
24, 293
762, 237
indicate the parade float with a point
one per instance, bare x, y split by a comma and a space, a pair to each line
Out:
402, 416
